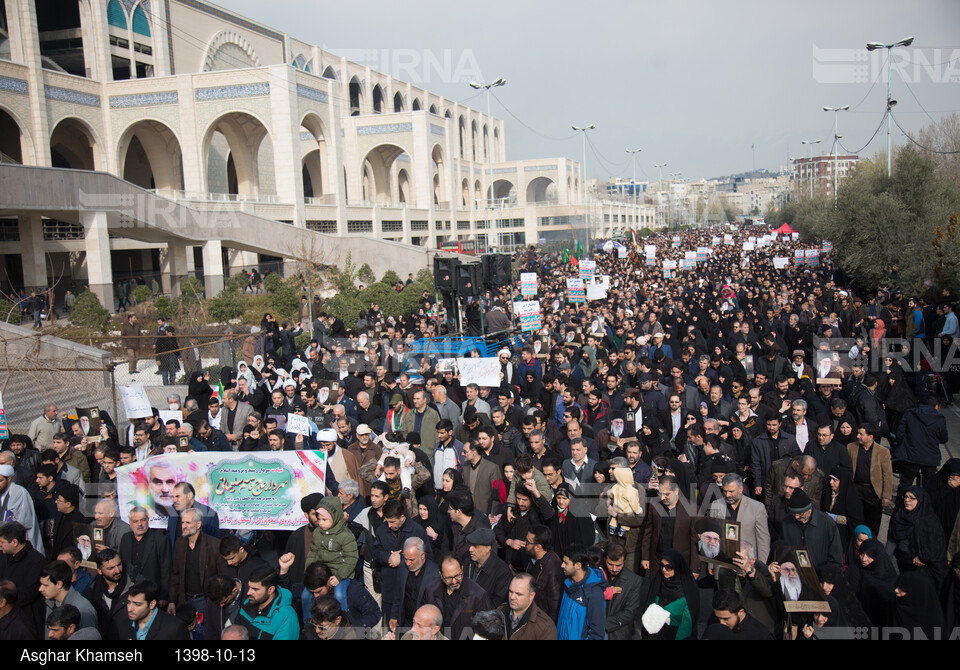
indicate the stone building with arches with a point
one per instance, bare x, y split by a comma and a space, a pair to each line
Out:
210, 114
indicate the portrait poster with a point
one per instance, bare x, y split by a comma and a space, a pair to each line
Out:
256, 490
89, 419
798, 581
718, 541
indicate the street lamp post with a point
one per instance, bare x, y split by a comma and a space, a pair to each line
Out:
660, 167
633, 184
873, 46
499, 81
583, 173
810, 166
836, 139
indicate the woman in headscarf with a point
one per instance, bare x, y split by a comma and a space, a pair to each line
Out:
916, 607
199, 389
652, 439
836, 586
739, 439
673, 588
685, 479
945, 495
950, 595
812, 625
432, 522
845, 432
915, 537
228, 378
872, 577
879, 330
841, 502
896, 396
860, 534
244, 371
532, 390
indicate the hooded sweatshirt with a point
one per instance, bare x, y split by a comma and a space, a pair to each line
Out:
277, 622
337, 547
583, 610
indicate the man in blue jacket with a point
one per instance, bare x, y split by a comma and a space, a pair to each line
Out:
583, 613
921, 432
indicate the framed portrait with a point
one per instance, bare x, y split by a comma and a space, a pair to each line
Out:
799, 584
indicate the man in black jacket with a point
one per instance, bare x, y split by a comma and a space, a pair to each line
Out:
735, 622
486, 568
457, 596
288, 336
146, 551
15, 623
108, 594
147, 620
624, 606
547, 570
532, 509
22, 564
225, 597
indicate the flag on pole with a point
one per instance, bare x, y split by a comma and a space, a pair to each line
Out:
633, 236
218, 392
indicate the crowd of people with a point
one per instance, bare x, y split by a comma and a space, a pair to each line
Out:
593, 494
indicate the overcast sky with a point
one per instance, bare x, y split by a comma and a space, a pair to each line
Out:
693, 83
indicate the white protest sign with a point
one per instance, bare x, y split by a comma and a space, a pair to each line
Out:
748, 246
528, 283
728, 239
575, 290
170, 415
587, 269
621, 252
298, 424
780, 262
650, 250
136, 405
529, 313
596, 292
479, 371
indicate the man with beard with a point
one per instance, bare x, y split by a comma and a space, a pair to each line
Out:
622, 609
813, 529
162, 478
457, 596
708, 532
299, 541
790, 583
735, 623
751, 514
107, 593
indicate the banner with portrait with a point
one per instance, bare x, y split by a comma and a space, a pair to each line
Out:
253, 490
798, 580
718, 541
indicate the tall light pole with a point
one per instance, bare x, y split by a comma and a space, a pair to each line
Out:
873, 46
583, 172
810, 167
633, 184
660, 167
499, 81
836, 139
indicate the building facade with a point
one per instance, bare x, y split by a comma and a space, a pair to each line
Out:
818, 172
221, 114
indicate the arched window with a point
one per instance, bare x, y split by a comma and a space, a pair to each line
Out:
140, 24
116, 17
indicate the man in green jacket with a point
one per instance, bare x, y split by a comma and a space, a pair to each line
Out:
267, 613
